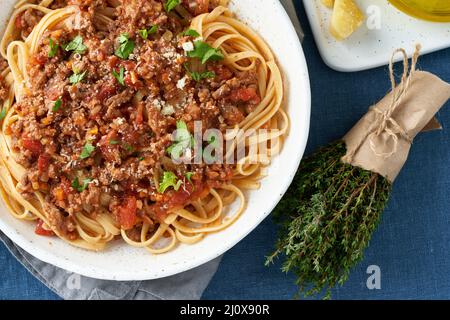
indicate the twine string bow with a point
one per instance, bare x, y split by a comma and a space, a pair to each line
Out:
386, 123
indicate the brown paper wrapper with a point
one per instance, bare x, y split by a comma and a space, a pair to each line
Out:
381, 152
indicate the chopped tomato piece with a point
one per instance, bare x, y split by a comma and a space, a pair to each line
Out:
41, 231
176, 199
43, 162
32, 145
245, 95
127, 213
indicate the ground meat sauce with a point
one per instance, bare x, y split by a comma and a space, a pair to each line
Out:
129, 125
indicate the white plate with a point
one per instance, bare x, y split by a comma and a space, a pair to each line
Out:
122, 262
368, 47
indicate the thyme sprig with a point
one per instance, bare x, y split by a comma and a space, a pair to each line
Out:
327, 218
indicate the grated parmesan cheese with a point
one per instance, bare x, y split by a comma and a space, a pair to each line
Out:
181, 83
168, 110
188, 46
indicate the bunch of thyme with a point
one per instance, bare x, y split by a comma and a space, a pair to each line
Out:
327, 218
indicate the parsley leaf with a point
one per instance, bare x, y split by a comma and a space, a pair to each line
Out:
77, 77
204, 52
191, 33
53, 48
144, 33
199, 76
76, 45
57, 105
171, 4
188, 176
183, 140
3, 113
87, 150
113, 142
169, 180
128, 147
119, 76
126, 46
81, 187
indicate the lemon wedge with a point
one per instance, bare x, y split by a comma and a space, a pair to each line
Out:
328, 3
346, 18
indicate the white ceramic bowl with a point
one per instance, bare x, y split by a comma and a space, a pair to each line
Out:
122, 262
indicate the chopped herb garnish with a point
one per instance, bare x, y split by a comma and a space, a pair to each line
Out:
3, 113
126, 46
113, 142
119, 76
188, 176
87, 150
171, 4
57, 105
144, 33
169, 180
199, 76
81, 187
204, 52
128, 147
53, 48
141, 158
77, 77
191, 33
76, 45
183, 140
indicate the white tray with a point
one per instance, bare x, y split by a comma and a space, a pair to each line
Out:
367, 47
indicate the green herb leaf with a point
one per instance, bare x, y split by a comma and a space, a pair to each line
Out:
144, 33
199, 76
81, 187
188, 176
119, 76
183, 140
57, 105
53, 48
113, 142
3, 113
128, 147
204, 52
77, 77
87, 150
168, 180
126, 46
191, 33
76, 45
171, 4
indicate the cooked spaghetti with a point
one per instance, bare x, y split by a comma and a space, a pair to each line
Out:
91, 92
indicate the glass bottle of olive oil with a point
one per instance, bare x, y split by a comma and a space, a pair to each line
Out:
433, 10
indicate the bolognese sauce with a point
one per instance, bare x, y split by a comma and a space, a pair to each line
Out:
104, 100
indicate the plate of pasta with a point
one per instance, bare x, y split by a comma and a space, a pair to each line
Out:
143, 138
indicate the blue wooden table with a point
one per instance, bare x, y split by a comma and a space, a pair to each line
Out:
411, 246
